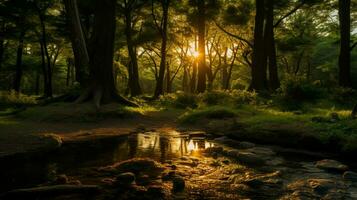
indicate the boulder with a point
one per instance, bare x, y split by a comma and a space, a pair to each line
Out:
125, 179
331, 165
350, 176
247, 158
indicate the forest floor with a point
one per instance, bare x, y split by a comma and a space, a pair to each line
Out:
233, 158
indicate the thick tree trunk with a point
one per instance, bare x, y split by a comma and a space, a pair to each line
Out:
160, 81
102, 87
201, 26
134, 84
18, 73
225, 70
344, 13
259, 58
79, 46
270, 46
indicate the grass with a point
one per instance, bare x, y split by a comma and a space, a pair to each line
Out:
67, 112
268, 124
214, 112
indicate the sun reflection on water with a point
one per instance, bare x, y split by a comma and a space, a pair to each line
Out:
163, 146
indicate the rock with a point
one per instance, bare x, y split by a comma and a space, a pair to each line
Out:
196, 133
262, 151
350, 176
227, 141
245, 145
168, 176
318, 119
331, 165
125, 179
61, 179
136, 166
178, 184
321, 186
249, 158
143, 180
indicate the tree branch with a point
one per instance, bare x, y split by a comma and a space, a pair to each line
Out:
297, 7
235, 36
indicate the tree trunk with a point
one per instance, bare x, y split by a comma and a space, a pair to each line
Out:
270, 46
168, 77
102, 88
48, 84
160, 80
37, 83
134, 84
44, 69
2, 42
201, 26
344, 13
79, 46
18, 74
259, 58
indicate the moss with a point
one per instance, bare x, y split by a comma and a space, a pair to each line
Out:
215, 112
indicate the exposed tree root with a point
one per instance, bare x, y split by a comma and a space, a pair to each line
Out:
100, 96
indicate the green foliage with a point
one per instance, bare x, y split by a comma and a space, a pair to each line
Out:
179, 100
215, 112
343, 96
217, 97
293, 92
13, 98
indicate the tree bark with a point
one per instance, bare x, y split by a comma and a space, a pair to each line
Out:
163, 30
344, 12
102, 88
2, 42
79, 46
259, 59
134, 84
201, 26
48, 84
270, 46
18, 73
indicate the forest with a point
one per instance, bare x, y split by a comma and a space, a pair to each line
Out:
178, 99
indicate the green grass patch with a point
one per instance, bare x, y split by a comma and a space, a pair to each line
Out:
214, 112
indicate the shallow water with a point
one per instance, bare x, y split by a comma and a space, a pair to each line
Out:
207, 176
72, 158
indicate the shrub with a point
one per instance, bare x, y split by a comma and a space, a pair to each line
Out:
299, 90
244, 97
13, 98
343, 96
215, 112
215, 97
179, 100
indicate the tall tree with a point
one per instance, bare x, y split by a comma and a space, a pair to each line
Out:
162, 27
201, 28
258, 70
79, 46
344, 62
102, 86
18, 73
270, 46
128, 8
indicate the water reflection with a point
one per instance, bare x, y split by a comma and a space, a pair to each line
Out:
161, 146
71, 159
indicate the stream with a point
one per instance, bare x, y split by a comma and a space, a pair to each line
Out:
210, 168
